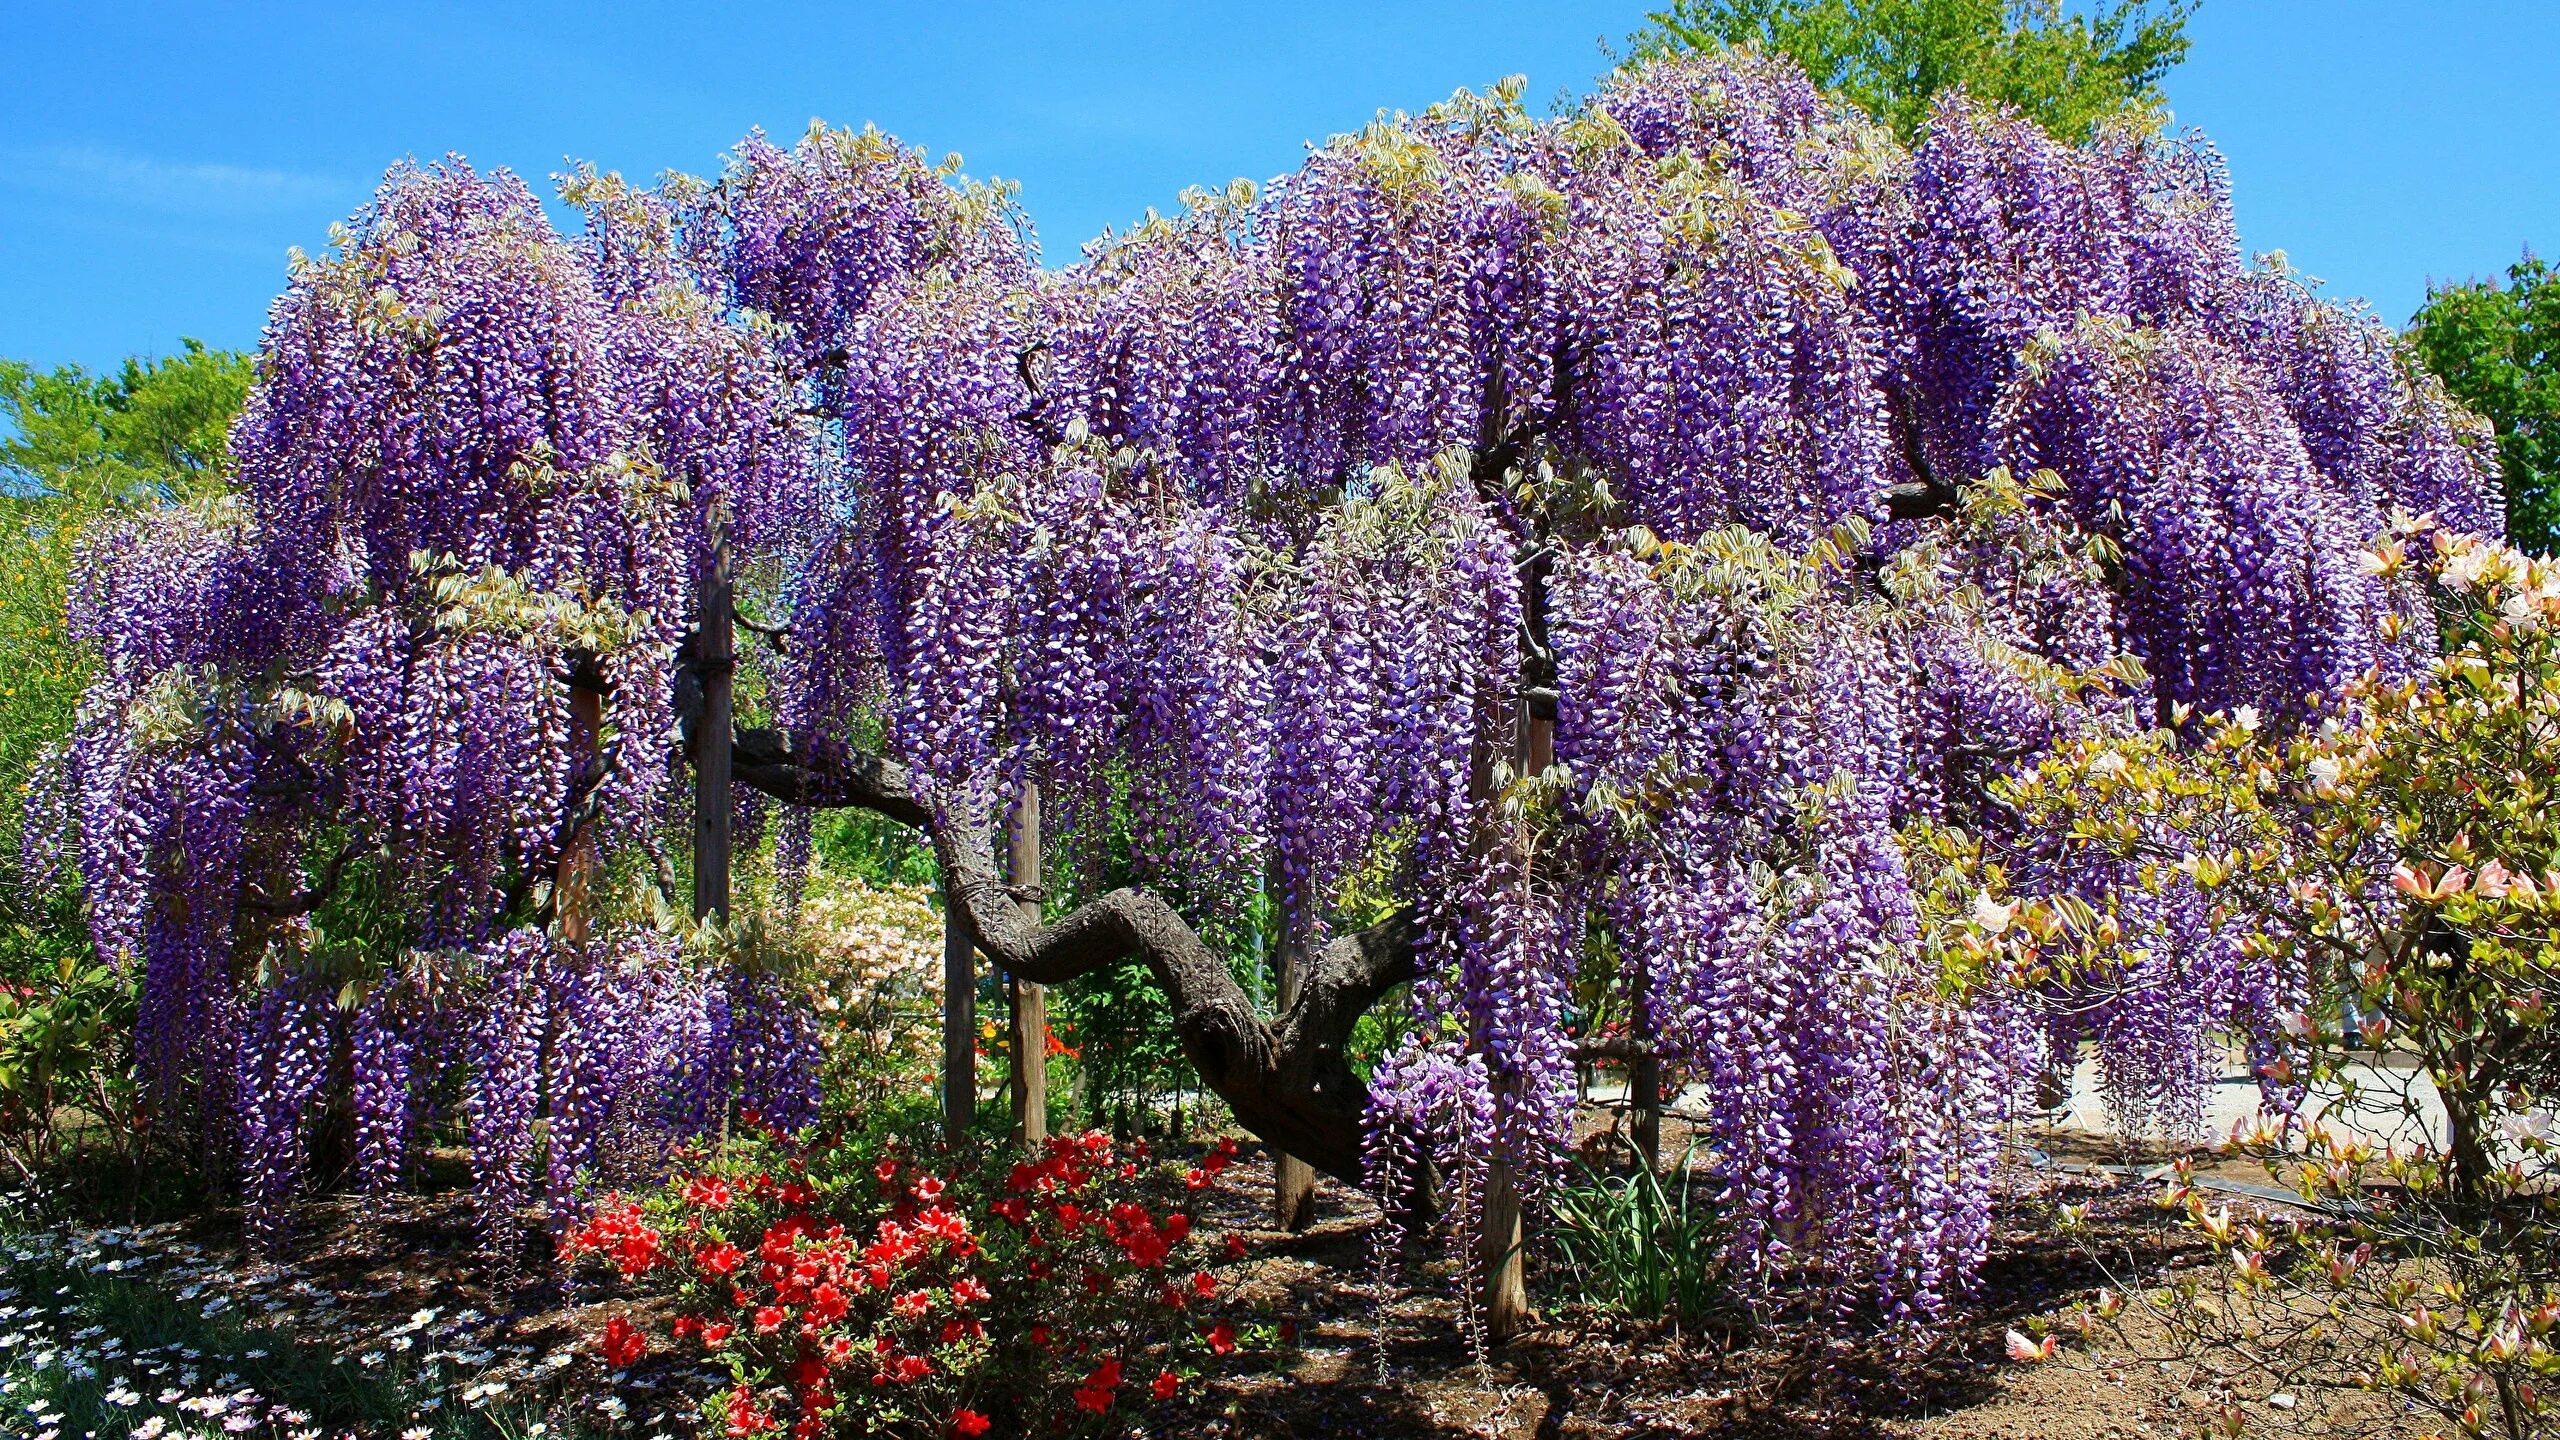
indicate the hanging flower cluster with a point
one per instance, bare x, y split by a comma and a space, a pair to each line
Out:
473, 478
1810, 483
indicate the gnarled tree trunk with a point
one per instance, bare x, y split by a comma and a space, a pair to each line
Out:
1284, 1077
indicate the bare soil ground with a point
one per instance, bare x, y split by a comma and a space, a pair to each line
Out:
1402, 1369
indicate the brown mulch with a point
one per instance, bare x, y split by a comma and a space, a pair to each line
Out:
1363, 1367
1402, 1369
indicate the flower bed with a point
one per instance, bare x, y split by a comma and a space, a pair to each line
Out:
844, 1288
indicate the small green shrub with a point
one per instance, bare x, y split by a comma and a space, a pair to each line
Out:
1637, 1246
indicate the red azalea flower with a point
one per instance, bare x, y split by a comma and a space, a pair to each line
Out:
637, 1252
710, 1192
928, 1189
969, 1290
969, 1422
1222, 1338
716, 1335
771, 1318
744, 1417
1235, 1247
718, 1259
1204, 1285
887, 1170
1098, 1389
1177, 1228
827, 1306
622, 1344
1166, 1384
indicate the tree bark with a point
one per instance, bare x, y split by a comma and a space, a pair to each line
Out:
1644, 1093
1284, 1078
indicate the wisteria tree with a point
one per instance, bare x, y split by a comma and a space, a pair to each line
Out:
1616, 536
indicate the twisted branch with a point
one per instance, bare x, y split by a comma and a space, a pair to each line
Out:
1284, 1077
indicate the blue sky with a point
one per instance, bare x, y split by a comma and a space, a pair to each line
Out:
156, 160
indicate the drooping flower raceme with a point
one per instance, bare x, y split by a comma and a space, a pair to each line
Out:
1804, 484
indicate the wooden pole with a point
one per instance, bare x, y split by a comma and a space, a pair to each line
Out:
1293, 1181
1506, 1287
959, 1025
1644, 1091
1030, 1002
573, 882
715, 659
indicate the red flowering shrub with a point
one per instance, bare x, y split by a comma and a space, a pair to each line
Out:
871, 1294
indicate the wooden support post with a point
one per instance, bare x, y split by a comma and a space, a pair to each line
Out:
1030, 1002
1506, 1288
573, 881
1644, 1092
959, 1025
715, 660
1293, 1181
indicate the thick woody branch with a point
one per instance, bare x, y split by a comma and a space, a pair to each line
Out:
1285, 1078
768, 761
309, 898
1926, 495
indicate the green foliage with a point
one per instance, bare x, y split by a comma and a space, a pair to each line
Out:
2067, 68
1634, 1245
871, 848
153, 431
2497, 348
1119, 1023
62, 1076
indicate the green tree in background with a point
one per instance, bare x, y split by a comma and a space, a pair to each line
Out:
155, 430
2497, 348
75, 446
2066, 67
